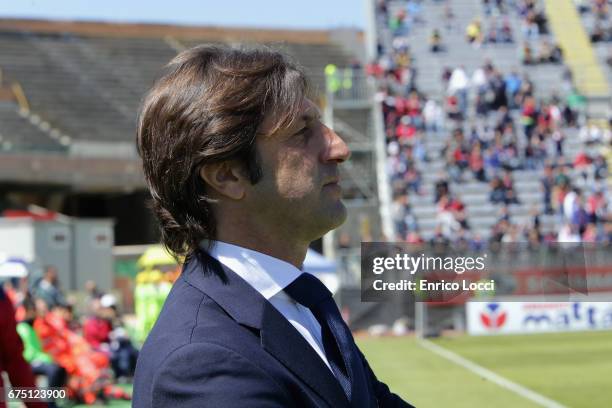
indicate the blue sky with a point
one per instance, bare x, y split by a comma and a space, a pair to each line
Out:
253, 13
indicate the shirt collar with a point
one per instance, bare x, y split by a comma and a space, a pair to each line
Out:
266, 274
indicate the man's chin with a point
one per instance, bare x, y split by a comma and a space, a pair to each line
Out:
340, 215
332, 219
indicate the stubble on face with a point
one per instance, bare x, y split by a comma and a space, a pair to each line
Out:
291, 193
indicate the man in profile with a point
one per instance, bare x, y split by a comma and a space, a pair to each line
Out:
243, 176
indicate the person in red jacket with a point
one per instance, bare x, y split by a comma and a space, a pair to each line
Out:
11, 352
97, 329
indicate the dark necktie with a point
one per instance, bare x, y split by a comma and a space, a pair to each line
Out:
338, 343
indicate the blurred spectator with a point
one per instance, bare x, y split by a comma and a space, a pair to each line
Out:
548, 183
549, 53
104, 333
600, 168
531, 29
591, 234
435, 41
591, 134
433, 116
96, 328
583, 6
506, 35
598, 34
529, 115
11, 352
451, 215
92, 294
502, 190
527, 54
492, 33
453, 110
597, 207
473, 33
402, 216
583, 165
440, 187
512, 234
458, 86
513, 85
89, 379
558, 138
476, 162
47, 288
399, 24
569, 233
41, 362
570, 203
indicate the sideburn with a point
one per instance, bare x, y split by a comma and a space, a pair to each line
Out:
254, 170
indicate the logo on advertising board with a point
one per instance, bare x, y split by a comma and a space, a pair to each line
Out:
493, 317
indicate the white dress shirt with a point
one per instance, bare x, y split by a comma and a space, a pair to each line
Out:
269, 276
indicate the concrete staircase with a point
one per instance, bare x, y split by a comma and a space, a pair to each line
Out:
578, 52
602, 51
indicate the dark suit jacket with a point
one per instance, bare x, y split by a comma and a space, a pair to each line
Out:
219, 343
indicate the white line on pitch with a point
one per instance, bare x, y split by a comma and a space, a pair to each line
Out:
490, 375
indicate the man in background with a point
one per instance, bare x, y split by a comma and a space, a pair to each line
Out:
47, 288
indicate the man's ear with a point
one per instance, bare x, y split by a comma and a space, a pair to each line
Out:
225, 178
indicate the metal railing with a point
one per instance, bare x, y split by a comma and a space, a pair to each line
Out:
348, 84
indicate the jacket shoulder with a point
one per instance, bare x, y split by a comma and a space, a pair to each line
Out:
221, 377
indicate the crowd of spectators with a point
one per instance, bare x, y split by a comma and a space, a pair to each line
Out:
491, 125
497, 29
88, 355
601, 28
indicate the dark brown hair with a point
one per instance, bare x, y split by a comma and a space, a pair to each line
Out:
207, 107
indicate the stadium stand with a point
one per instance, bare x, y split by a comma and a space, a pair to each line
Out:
22, 131
71, 92
90, 87
430, 66
419, 159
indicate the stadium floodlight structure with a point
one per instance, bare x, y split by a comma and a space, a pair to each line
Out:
354, 114
352, 111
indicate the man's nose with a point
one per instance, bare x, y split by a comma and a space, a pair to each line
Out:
336, 149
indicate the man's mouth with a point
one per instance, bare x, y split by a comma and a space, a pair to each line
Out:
331, 181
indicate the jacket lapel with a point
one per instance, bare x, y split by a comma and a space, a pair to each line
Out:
278, 337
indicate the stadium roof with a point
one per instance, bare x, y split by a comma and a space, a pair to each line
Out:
130, 30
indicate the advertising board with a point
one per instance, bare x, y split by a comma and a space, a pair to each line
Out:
490, 318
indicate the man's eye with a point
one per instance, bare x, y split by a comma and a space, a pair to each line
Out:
304, 132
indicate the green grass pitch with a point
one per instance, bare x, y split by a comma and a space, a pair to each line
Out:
574, 369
